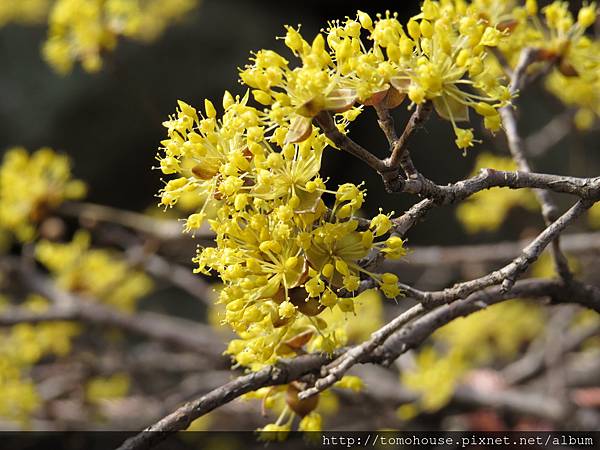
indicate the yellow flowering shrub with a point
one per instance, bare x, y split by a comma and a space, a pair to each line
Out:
33, 185
289, 249
468, 343
81, 31
21, 347
486, 210
284, 399
96, 273
294, 254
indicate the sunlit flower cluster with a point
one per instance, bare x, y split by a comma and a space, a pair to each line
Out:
284, 256
33, 185
438, 56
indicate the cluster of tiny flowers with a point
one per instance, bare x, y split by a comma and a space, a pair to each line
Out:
283, 255
31, 186
92, 272
284, 400
21, 347
438, 57
82, 30
560, 38
464, 345
24, 12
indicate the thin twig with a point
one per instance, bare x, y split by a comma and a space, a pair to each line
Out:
577, 243
518, 152
183, 333
163, 229
403, 339
506, 275
400, 155
325, 121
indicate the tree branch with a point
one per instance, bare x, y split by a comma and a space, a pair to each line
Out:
579, 243
510, 272
518, 152
182, 333
400, 341
326, 123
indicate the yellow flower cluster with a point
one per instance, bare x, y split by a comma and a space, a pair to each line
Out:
23, 11
82, 30
486, 210
560, 38
438, 56
467, 343
33, 185
96, 273
284, 399
99, 389
282, 254
21, 347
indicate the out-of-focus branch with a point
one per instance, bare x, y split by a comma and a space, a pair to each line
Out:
182, 333
550, 134
576, 243
533, 362
523, 402
326, 123
175, 274
162, 229
518, 152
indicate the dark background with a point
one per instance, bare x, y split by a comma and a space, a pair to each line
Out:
110, 122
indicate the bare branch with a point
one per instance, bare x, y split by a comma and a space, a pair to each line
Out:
509, 273
400, 155
489, 178
400, 341
578, 243
550, 134
282, 372
182, 333
326, 123
414, 333
165, 230
518, 151
406, 221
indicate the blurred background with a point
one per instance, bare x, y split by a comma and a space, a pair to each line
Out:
109, 123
